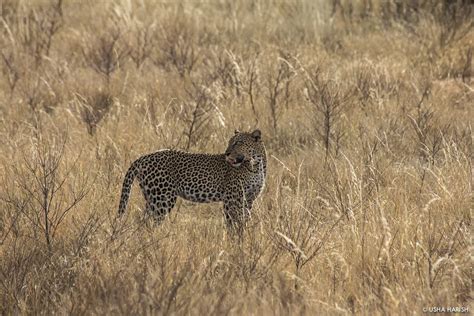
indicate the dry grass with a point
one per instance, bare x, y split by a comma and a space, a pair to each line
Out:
366, 109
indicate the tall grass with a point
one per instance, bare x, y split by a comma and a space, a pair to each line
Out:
366, 111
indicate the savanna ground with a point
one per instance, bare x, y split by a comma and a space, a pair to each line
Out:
366, 108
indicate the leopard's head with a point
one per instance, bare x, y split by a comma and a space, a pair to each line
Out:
245, 147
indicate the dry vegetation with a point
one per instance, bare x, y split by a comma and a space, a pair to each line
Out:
366, 108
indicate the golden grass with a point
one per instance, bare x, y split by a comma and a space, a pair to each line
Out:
367, 120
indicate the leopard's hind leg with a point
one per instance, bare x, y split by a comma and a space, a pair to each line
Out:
162, 203
160, 200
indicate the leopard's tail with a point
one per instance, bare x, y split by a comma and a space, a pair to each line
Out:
126, 187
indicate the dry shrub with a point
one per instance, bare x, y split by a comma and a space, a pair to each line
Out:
142, 43
328, 100
278, 85
32, 28
107, 53
94, 108
179, 47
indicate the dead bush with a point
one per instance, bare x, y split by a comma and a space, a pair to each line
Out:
93, 108
106, 53
41, 193
178, 47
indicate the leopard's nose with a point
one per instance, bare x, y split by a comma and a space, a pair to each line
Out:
239, 158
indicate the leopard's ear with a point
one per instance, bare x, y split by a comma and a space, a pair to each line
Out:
257, 135
236, 132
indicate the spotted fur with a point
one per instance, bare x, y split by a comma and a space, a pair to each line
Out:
235, 178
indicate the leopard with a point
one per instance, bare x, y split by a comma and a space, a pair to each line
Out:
236, 178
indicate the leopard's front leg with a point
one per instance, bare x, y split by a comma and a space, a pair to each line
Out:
237, 213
